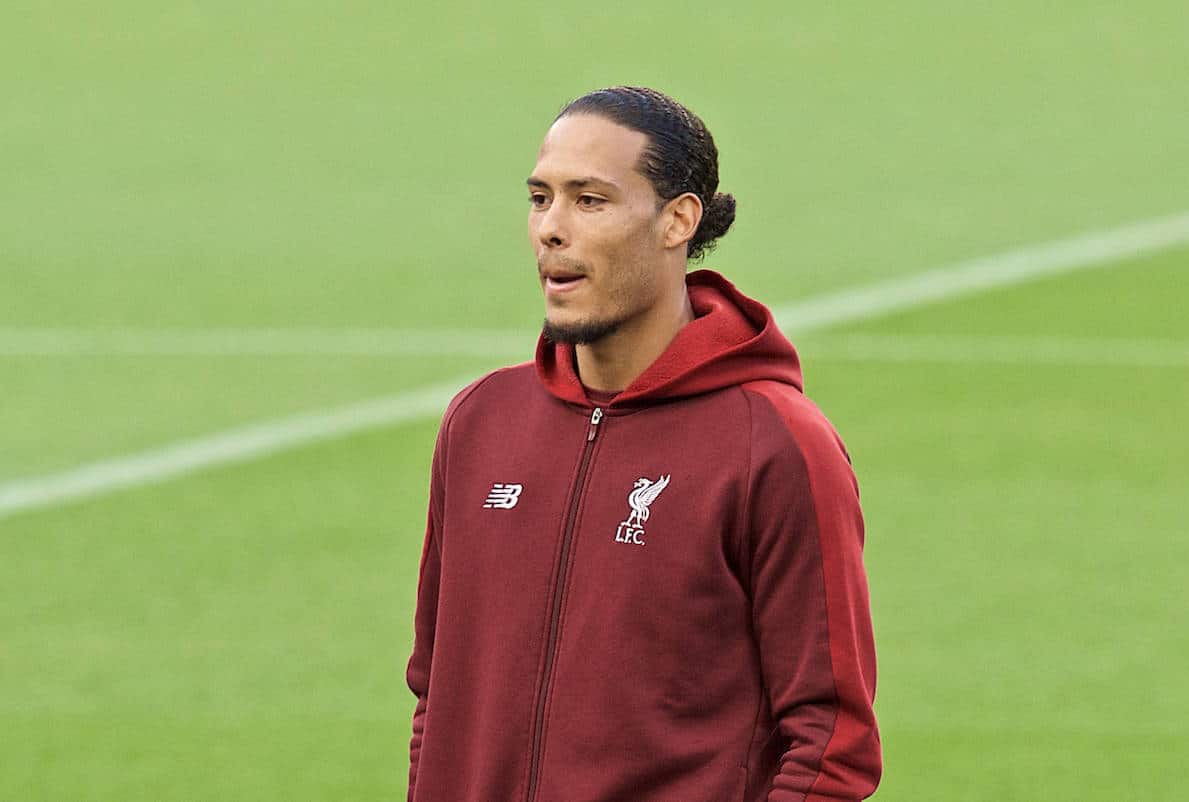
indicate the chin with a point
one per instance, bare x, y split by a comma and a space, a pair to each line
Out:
578, 332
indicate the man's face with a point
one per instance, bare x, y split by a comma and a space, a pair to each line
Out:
593, 224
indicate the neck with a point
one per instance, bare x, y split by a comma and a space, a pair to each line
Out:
615, 361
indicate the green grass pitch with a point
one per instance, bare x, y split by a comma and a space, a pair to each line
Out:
241, 633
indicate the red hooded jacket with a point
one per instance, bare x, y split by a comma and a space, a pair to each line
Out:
659, 599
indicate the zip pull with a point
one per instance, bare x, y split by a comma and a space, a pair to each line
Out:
595, 418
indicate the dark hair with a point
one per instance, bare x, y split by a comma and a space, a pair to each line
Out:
680, 156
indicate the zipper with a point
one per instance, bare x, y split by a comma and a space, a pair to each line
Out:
592, 431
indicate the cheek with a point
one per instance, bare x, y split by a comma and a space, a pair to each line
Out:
634, 277
620, 247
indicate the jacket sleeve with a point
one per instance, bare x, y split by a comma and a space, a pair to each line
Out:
810, 607
425, 619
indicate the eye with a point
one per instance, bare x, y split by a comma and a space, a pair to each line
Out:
590, 200
538, 200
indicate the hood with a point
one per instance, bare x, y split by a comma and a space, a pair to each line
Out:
733, 339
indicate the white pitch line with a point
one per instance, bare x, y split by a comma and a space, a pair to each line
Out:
234, 445
1005, 350
987, 273
247, 442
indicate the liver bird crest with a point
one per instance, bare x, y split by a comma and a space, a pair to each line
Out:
642, 497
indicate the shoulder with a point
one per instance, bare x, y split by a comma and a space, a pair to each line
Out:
800, 418
495, 389
788, 428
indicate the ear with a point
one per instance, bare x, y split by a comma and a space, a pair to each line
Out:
682, 216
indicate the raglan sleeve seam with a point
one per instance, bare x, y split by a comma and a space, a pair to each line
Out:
824, 711
746, 552
420, 662
448, 417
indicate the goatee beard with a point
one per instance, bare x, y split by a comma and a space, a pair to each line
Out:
582, 333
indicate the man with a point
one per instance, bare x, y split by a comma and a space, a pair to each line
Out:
642, 578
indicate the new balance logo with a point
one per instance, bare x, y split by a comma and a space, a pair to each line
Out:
503, 497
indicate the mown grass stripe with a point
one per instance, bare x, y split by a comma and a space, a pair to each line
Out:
1003, 349
248, 442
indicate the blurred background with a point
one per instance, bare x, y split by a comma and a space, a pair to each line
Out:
248, 249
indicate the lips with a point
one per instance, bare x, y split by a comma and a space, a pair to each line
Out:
560, 279
563, 278
559, 271
565, 282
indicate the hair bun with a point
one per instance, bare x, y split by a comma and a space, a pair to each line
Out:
717, 218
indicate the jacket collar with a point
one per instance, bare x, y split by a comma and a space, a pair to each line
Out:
733, 339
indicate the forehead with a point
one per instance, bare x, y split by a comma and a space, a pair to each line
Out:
580, 145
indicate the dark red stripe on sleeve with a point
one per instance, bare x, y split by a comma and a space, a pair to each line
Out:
810, 600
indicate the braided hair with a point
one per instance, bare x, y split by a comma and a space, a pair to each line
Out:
680, 155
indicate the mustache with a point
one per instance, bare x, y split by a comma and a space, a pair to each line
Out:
563, 262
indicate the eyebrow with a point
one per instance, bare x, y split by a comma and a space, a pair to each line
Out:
574, 183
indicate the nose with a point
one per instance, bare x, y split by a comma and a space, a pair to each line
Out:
551, 227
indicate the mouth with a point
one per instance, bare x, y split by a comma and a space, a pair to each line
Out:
563, 283
560, 280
